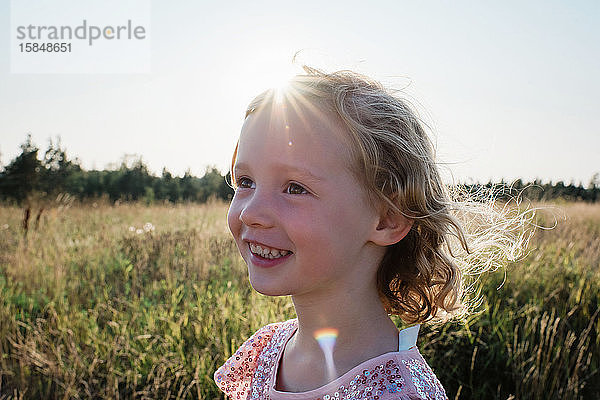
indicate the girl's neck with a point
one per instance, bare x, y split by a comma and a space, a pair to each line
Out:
356, 318
347, 312
364, 331
345, 304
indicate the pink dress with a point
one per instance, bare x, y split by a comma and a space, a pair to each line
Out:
250, 373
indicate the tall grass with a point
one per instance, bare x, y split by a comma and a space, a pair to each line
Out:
96, 304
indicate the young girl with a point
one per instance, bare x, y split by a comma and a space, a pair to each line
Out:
339, 204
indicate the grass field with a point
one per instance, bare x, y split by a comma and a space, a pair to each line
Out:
132, 301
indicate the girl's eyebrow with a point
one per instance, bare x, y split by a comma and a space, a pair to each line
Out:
284, 168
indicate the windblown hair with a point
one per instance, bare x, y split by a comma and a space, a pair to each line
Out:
456, 235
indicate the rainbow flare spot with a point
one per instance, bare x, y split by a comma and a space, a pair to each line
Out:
326, 338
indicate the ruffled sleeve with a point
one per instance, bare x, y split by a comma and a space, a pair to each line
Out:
234, 377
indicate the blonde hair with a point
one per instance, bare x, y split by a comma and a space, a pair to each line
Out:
428, 275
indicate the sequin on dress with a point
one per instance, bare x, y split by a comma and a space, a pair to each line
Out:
250, 373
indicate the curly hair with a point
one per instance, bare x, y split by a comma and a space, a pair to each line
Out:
455, 235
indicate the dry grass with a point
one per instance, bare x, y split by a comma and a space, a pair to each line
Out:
91, 309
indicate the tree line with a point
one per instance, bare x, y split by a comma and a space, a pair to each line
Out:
537, 190
55, 174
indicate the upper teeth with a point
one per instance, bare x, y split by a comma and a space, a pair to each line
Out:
267, 252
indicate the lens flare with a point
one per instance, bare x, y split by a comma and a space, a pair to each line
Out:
326, 338
280, 91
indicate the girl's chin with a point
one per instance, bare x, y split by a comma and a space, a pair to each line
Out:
267, 291
268, 287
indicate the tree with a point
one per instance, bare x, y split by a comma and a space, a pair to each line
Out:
190, 186
57, 169
214, 184
22, 176
594, 181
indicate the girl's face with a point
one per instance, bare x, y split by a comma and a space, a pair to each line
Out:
301, 220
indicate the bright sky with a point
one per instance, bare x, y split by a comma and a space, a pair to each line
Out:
511, 89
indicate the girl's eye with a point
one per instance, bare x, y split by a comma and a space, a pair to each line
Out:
294, 188
245, 183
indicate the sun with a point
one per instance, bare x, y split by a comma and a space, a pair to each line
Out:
277, 78
264, 69
280, 78
279, 91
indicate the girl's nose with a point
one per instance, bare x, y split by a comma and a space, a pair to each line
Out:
257, 211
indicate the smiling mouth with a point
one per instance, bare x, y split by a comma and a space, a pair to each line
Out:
267, 252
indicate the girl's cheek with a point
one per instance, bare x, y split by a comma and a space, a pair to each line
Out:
233, 217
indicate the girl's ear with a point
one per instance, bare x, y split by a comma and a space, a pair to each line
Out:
392, 228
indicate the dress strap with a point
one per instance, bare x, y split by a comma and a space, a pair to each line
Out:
407, 337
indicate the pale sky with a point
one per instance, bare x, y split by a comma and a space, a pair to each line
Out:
510, 88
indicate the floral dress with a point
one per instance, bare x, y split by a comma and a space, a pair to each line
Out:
250, 373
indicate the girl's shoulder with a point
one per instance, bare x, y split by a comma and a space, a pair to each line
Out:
421, 380
235, 376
